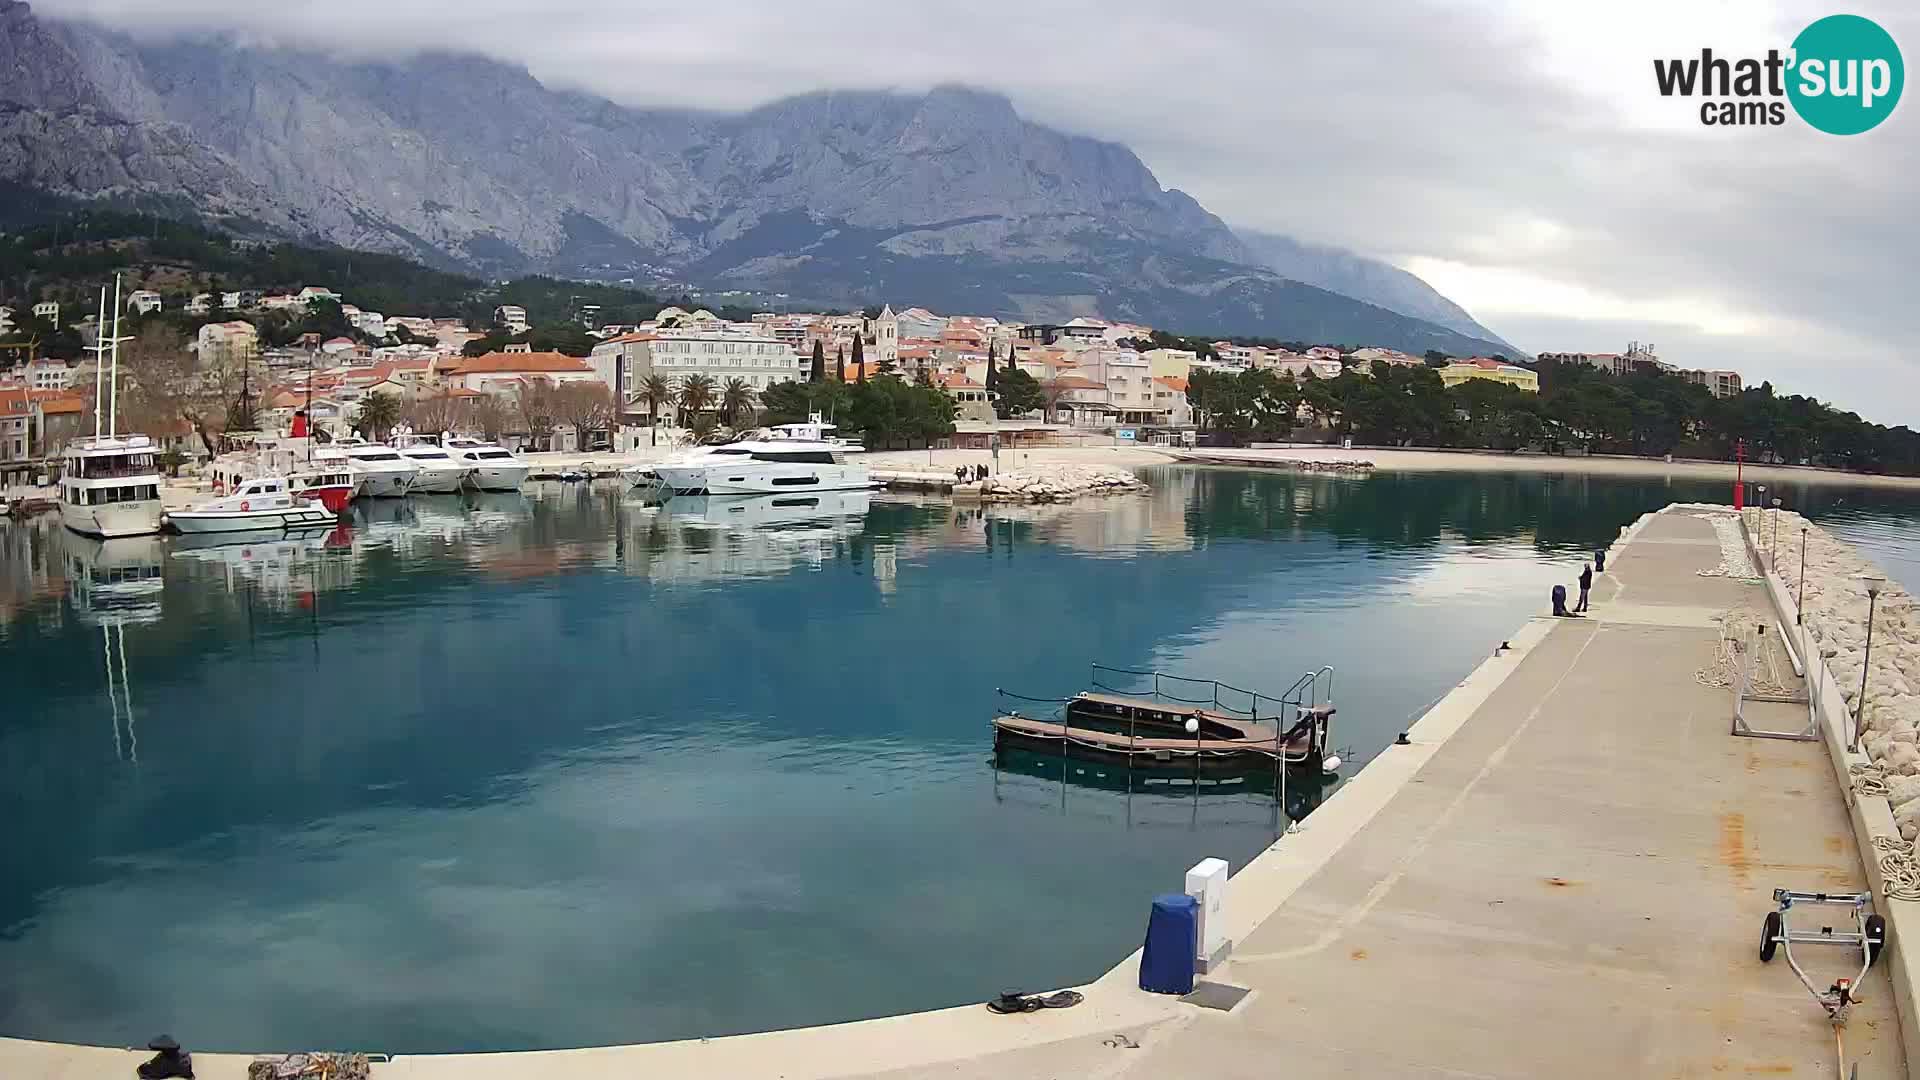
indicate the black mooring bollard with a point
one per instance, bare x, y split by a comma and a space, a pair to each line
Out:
168, 1060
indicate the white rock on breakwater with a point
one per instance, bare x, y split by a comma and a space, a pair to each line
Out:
1051, 483
1835, 611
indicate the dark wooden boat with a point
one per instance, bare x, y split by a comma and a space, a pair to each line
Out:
1106, 727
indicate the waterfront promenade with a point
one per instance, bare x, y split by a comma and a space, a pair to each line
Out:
1562, 874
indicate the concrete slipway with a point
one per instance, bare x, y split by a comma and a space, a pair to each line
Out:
1562, 875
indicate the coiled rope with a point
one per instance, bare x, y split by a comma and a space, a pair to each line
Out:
1870, 779
1899, 873
1736, 634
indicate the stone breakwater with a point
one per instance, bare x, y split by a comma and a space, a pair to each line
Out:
1052, 483
1340, 468
1835, 612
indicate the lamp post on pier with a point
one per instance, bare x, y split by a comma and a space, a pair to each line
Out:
1874, 584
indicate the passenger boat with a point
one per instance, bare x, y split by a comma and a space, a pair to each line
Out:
263, 503
490, 467
438, 472
320, 473
327, 478
381, 471
110, 486
1155, 729
110, 483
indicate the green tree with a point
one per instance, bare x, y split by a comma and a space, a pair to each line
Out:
859, 361
736, 402
993, 374
658, 393
696, 393
819, 372
379, 412
1019, 394
839, 364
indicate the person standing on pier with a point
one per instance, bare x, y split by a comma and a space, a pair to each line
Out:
1586, 583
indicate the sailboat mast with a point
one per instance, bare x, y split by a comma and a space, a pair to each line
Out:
99, 360
113, 400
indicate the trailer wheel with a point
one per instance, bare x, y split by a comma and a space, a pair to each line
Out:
1876, 937
1769, 936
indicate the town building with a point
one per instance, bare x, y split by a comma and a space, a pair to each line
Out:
1481, 367
6, 320
972, 401
1721, 383
1170, 401
512, 317
48, 375
143, 301
720, 353
227, 344
48, 310
1170, 363
504, 372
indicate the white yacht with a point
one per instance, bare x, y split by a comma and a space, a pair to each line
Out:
110, 483
439, 473
494, 468
382, 471
815, 430
267, 502
763, 467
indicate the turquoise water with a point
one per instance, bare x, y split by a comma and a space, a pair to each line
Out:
566, 770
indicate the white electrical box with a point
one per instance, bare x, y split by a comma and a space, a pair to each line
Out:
1207, 884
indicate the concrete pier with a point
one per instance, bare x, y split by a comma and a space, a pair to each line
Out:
1562, 873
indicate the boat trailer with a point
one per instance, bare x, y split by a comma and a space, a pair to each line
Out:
1869, 934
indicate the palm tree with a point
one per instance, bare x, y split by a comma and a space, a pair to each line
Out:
379, 412
696, 393
658, 393
736, 401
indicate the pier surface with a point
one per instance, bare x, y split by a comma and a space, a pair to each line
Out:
1562, 874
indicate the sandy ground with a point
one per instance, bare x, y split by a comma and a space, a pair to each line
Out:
1472, 461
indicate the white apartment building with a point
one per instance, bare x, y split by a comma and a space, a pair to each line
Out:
1722, 383
48, 310
227, 344
45, 374
511, 316
143, 301
6, 320
371, 323
720, 355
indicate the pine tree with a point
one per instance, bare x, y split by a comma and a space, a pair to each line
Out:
993, 376
840, 364
859, 363
819, 373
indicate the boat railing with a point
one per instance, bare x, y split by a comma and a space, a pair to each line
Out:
1220, 696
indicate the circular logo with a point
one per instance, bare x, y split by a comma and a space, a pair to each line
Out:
1846, 75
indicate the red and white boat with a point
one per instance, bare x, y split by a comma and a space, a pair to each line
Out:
327, 479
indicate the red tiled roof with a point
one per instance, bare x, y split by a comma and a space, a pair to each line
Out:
508, 363
1175, 383
957, 382
1075, 382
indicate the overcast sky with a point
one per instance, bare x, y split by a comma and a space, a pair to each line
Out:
1513, 153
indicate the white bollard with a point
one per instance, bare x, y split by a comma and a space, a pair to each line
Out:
1207, 884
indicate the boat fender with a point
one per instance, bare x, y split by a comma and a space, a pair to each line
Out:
1331, 764
244, 505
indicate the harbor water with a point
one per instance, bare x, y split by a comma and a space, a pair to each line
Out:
506, 772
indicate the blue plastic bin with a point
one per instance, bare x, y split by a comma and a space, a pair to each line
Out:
1166, 964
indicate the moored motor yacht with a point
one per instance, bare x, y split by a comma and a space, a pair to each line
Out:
493, 468
762, 467
438, 472
382, 471
264, 503
110, 484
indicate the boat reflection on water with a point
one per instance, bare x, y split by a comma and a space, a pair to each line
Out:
836, 512
280, 564
111, 584
400, 523
1161, 795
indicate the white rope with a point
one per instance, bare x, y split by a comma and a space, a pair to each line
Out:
1736, 631
1870, 779
1899, 873
1733, 550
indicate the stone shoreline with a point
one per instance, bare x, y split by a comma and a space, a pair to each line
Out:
1834, 608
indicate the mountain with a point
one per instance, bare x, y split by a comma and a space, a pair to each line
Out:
947, 199
1361, 278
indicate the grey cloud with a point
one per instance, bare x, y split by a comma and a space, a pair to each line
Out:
1386, 127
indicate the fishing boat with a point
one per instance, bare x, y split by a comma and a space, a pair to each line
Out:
110, 483
1228, 729
264, 503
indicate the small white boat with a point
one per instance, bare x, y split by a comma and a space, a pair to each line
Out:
437, 471
263, 503
493, 468
382, 472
